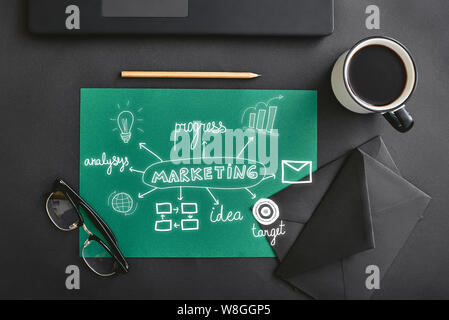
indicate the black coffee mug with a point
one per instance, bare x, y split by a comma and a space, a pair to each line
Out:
377, 75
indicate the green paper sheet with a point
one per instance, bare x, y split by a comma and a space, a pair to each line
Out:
174, 173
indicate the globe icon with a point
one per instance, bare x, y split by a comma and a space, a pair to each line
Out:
122, 203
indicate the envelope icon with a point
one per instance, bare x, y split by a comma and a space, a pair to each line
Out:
293, 172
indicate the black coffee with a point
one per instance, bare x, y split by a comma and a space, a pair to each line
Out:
377, 75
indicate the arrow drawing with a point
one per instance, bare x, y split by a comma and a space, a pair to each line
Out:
180, 194
246, 145
253, 195
134, 170
280, 97
216, 202
143, 145
273, 176
141, 196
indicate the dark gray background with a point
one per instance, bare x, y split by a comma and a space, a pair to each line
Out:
40, 78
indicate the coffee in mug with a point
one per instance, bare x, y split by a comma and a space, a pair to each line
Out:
378, 75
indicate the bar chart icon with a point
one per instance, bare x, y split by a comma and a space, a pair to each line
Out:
259, 120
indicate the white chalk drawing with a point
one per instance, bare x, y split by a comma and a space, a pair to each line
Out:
204, 164
251, 140
179, 175
109, 162
125, 122
187, 223
253, 195
198, 128
144, 146
262, 116
218, 215
212, 172
189, 208
266, 212
216, 202
196, 177
190, 224
164, 208
143, 195
164, 226
272, 233
202, 170
122, 203
291, 169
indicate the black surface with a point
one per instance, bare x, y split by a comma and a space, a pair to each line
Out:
230, 17
40, 81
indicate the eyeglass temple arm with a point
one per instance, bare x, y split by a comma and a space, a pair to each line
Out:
99, 223
102, 227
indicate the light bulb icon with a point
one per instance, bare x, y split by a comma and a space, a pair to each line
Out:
125, 122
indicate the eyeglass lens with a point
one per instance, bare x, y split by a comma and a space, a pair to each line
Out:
61, 211
98, 258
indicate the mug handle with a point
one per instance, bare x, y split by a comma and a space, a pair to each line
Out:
400, 119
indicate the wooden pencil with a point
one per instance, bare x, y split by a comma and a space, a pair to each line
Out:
189, 75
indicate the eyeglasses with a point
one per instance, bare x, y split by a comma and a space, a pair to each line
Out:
62, 209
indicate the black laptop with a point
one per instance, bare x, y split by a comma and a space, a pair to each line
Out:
196, 17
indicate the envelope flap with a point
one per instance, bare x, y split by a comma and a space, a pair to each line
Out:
386, 188
341, 225
296, 165
377, 150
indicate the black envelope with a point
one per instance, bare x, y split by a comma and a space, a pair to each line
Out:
359, 211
